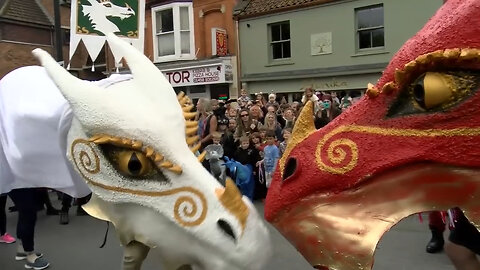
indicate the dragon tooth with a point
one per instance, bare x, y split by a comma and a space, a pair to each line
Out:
189, 115
195, 148
201, 157
175, 169
190, 124
192, 140
191, 131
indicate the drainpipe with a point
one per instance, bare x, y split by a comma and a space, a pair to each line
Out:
239, 73
58, 31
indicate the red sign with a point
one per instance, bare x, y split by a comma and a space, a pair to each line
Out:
219, 42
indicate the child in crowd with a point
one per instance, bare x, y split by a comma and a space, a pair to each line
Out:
271, 156
214, 157
256, 140
246, 154
286, 133
228, 140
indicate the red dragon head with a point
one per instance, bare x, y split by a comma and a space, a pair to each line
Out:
410, 145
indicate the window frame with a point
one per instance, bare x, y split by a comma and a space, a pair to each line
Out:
271, 42
370, 29
178, 55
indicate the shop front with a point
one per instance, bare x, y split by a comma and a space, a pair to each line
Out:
292, 89
202, 79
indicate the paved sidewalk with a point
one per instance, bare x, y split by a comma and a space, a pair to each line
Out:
75, 247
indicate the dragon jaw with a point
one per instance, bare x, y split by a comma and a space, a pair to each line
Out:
132, 142
410, 145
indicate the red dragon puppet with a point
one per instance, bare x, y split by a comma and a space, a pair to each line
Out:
411, 145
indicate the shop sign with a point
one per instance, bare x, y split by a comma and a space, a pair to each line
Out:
211, 74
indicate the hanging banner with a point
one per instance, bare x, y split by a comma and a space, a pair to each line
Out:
91, 20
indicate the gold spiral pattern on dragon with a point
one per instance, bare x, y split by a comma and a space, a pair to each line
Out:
190, 208
337, 156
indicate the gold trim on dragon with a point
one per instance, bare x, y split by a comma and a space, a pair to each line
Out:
337, 155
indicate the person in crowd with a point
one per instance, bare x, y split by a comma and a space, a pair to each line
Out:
256, 140
228, 140
328, 111
207, 121
346, 102
271, 157
67, 203
214, 156
286, 133
335, 98
260, 100
248, 155
245, 153
463, 244
244, 98
272, 125
288, 118
272, 101
232, 110
245, 124
436, 224
5, 237
45, 200
308, 94
256, 113
27, 201
330, 107
295, 107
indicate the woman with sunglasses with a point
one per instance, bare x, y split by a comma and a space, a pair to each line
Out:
245, 124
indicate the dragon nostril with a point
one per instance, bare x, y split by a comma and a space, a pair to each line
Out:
290, 168
226, 228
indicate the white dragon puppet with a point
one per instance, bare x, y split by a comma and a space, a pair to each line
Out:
132, 141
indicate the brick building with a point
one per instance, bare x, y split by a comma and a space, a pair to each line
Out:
193, 44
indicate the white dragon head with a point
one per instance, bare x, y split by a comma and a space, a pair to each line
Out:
133, 142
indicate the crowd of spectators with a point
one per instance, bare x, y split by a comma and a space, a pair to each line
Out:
255, 131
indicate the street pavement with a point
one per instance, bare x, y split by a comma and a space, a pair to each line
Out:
76, 247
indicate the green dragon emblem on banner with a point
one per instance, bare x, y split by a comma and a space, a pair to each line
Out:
99, 17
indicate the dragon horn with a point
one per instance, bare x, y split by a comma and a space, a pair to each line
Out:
71, 87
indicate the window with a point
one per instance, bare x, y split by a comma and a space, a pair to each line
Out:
173, 32
370, 29
280, 40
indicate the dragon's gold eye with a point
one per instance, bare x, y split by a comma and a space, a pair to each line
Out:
433, 89
132, 163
